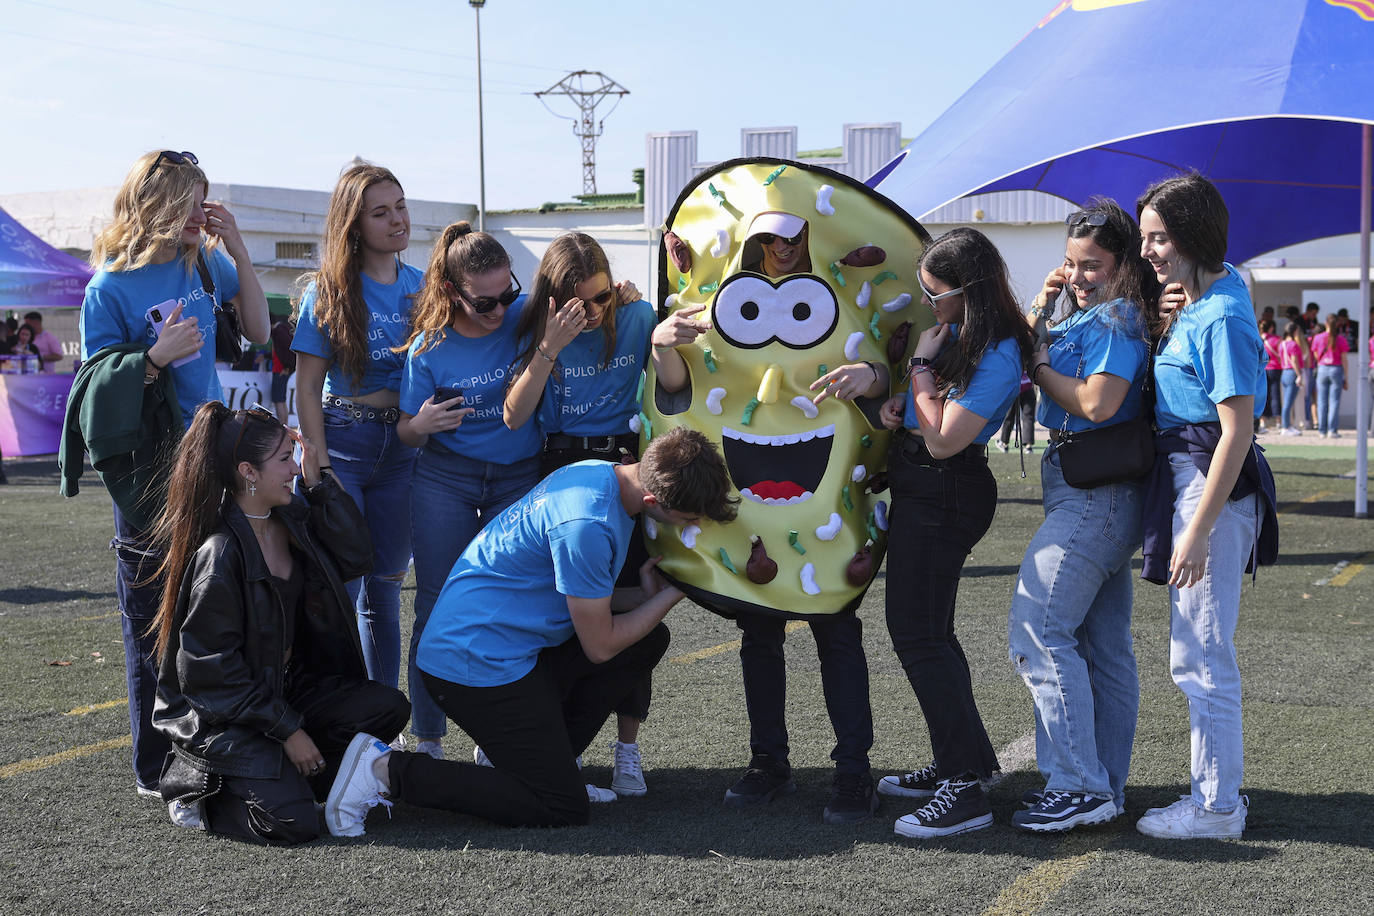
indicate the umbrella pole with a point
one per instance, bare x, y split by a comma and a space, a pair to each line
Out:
1362, 392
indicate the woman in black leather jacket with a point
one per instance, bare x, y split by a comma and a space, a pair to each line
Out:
261, 680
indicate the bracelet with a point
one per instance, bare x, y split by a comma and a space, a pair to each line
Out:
665, 347
326, 467
874, 368
1035, 372
540, 348
923, 370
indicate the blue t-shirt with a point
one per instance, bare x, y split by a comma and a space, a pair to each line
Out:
116, 306
995, 384
1107, 338
481, 366
506, 598
1213, 352
584, 398
388, 325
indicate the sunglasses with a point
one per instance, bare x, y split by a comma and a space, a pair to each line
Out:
933, 298
484, 304
601, 299
254, 412
1091, 217
768, 238
175, 158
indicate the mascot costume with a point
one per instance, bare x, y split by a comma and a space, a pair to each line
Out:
812, 523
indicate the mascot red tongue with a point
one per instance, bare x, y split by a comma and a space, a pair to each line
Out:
813, 518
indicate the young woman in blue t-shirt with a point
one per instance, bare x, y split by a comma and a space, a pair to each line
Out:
355, 309
583, 357
471, 466
1069, 629
152, 253
1202, 506
943, 500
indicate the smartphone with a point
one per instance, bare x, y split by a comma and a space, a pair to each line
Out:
448, 393
157, 316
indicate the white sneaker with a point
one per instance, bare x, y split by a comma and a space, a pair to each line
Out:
629, 770
356, 789
480, 758
599, 796
184, 815
1184, 820
430, 746
400, 743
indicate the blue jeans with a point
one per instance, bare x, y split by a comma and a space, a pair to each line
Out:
1330, 380
374, 467
1289, 384
1202, 651
1070, 633
1309, 395
138, 606
453, 497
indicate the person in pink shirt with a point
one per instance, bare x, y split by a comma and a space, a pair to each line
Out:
1329, 349
1291, 363
1272, 372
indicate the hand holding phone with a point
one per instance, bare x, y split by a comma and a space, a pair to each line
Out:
178, 341
448, 393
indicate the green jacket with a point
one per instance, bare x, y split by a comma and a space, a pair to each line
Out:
130, 429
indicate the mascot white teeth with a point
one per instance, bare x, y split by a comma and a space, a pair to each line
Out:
812, 522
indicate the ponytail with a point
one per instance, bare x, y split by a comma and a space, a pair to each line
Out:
458, 253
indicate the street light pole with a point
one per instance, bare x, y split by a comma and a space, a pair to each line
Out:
481, 141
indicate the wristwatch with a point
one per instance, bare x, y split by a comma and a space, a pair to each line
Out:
916, 361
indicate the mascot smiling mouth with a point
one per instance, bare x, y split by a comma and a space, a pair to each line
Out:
778, 470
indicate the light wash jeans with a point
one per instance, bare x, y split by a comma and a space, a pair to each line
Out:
1070, 633
374, 467
1289, 383
1202, 651
452, 498
1330, 380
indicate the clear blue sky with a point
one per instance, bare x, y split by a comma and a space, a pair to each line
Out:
285, 93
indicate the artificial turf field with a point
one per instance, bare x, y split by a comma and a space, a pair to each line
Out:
74, 837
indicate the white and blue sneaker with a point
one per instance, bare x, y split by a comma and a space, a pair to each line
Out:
629, 770
356, 790
1057, 811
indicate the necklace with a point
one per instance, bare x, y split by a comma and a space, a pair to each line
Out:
251, 515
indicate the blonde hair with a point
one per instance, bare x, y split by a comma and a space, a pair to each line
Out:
459, 253
340, 311
150, 210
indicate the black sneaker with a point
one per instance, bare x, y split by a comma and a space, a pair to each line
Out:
760, 783
1063, 811
1031, 797
920, 783
959, 806
852, 799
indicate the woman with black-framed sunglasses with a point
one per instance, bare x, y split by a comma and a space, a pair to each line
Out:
167, 262
355, 309
458, 361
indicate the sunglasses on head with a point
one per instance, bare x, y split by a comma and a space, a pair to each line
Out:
484, 304
1091, 217
768, 238
175, 158
933, 298
253, 412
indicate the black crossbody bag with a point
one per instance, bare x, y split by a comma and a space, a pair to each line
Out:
228, 331
1118, 453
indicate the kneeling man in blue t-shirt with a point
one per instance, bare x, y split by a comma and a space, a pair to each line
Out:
530, 645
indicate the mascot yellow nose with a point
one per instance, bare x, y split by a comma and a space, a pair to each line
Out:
772, 382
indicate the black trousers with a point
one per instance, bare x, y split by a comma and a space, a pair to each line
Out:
844, 681
282, 811
532, 730
940, 510
1023, 410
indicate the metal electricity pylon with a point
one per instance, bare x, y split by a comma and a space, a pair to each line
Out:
587, 89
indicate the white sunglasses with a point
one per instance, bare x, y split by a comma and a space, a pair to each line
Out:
932, 298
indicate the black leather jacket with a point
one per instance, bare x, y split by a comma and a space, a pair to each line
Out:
219, 692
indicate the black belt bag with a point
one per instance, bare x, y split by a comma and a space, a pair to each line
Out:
1118, 453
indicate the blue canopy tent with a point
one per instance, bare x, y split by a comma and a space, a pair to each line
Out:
33, 274
1272, 101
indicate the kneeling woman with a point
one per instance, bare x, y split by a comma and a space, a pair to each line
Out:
943, 500
261, 683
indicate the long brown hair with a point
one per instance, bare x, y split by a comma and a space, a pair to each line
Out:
570, 260
459, 253
150, 209
339, 307
966, 258
1195, 216
203, 478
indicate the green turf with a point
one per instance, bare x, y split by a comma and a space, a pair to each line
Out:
75, 838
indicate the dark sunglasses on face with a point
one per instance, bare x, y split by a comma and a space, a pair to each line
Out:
175, 158
484, 304
768, 238
601, 299
1092, 218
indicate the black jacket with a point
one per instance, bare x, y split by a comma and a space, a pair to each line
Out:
220, 695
